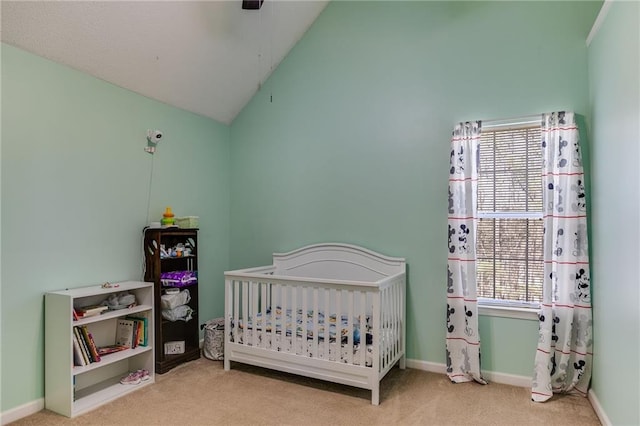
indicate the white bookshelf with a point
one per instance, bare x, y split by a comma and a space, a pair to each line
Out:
73, 390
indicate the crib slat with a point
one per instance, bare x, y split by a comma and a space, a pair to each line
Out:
245, 312
284, 342
275, 295
394, 322
392, 325
228, 303
262, 342
389, 327
375, 314
314, 345
350, 327
338, 340
403, 326
396, 319
363, 328
385, 327
254, 311
294, 317
393, 330
305, 306
236, 310
327, 312
383, 321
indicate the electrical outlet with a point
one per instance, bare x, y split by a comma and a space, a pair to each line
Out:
175, 347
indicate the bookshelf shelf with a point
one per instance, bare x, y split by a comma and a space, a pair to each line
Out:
110, 359
72, 390
112, 314
103, 392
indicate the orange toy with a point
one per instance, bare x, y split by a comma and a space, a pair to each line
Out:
167, 217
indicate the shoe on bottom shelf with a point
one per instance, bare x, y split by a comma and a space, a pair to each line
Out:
144, 375
135, 377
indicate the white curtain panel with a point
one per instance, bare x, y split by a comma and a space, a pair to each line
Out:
463, 342
564, 354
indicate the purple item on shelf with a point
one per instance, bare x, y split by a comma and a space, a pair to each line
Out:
179, 278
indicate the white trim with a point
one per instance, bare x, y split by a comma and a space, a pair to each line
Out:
599, 20
432, 367
493, 376
22, 411
508, 379
595, 403
508, 312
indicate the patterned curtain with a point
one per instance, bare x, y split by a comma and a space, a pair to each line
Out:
563, 357
463, 342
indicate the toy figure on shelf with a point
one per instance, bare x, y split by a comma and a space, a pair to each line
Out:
167, 217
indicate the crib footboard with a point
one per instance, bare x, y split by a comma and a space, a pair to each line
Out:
345, 332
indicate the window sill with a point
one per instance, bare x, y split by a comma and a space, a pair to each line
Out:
530, 314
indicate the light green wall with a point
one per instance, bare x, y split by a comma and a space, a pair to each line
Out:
614, 77
354, 146
75, 185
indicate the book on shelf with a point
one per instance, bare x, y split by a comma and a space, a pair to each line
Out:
138, 334
124, 333
85, 339
83, 345
91, 344
88, 311
78, 358
110, 349
143, 330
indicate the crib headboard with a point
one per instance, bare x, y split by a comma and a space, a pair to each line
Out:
337, 261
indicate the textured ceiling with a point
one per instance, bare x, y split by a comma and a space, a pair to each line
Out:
208, 57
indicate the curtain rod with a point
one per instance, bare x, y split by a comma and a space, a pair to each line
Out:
515, 121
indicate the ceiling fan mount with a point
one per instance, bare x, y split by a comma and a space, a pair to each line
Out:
252, 4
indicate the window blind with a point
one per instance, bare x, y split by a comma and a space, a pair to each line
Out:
509, 177
510, 229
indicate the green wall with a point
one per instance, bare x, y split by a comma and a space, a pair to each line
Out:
354, 146
614, 77
75, 188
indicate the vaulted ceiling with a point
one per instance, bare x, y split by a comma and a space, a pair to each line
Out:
208, 57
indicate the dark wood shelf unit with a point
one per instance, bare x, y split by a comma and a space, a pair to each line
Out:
165, 330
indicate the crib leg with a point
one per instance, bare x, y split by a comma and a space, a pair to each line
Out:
375, 394
227, 364
403, 362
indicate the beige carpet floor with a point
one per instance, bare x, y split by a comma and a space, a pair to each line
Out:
202, 393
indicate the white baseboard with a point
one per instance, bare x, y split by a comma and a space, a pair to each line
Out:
492, 376
595, 403
23, 410
433, 367
507, 379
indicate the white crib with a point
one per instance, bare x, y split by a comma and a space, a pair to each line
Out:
329, 311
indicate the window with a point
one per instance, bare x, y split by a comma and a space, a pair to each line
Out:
510, 227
